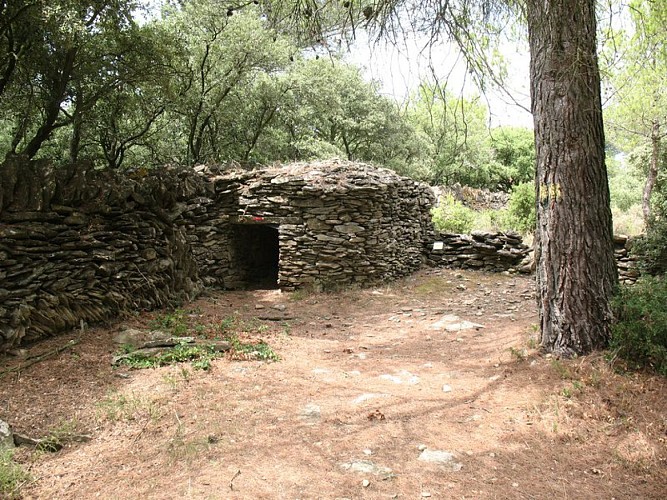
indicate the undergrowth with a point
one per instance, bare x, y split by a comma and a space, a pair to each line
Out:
200, 357
252, 350
639, 335
452, 216
180, 323
12, 475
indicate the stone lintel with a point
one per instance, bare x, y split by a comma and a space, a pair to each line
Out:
258, 219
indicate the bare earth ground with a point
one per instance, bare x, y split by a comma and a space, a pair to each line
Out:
369, 381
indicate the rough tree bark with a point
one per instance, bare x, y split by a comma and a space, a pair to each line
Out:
576, 275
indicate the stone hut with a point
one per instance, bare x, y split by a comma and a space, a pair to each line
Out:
318, 224
80, 245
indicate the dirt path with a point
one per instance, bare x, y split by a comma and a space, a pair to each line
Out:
390, 392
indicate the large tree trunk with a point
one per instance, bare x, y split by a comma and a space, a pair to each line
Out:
576, 272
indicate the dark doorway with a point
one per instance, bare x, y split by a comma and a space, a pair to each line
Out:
256, 254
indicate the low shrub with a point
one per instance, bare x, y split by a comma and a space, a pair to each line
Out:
640, 332
451, 216
651, 248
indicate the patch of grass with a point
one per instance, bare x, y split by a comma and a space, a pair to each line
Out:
595, 379
201, 355
227, 324
517, 354
562, 369
58, 436
181, 449
532, 343
299, 294
173, 380
572, 389
120, 407
232, 329
186, 450
435, 285
174, 322
12, 475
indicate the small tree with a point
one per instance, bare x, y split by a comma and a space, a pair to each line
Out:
638, 114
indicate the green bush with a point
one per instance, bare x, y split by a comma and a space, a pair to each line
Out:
451, 216
640, 332
521, 214
651, 248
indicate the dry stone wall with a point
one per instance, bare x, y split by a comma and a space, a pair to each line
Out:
505, 251
80, 245
489, 251
626, 262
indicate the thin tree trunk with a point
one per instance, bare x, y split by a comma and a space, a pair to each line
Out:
576, 273
652, 176
77, 128
51, 110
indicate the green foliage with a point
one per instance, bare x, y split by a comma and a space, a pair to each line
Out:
249, 350
636, 80
514, 148
330, 110
58, 59
625, 187
651, 247
454, 217
12, 475
175, 323
521, 214
455, 135
640, 333
199, 355
629, 222
451, 216
625, 180
635, 119
195, 86
456, 146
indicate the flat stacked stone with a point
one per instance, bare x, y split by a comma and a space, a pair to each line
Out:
489, 251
